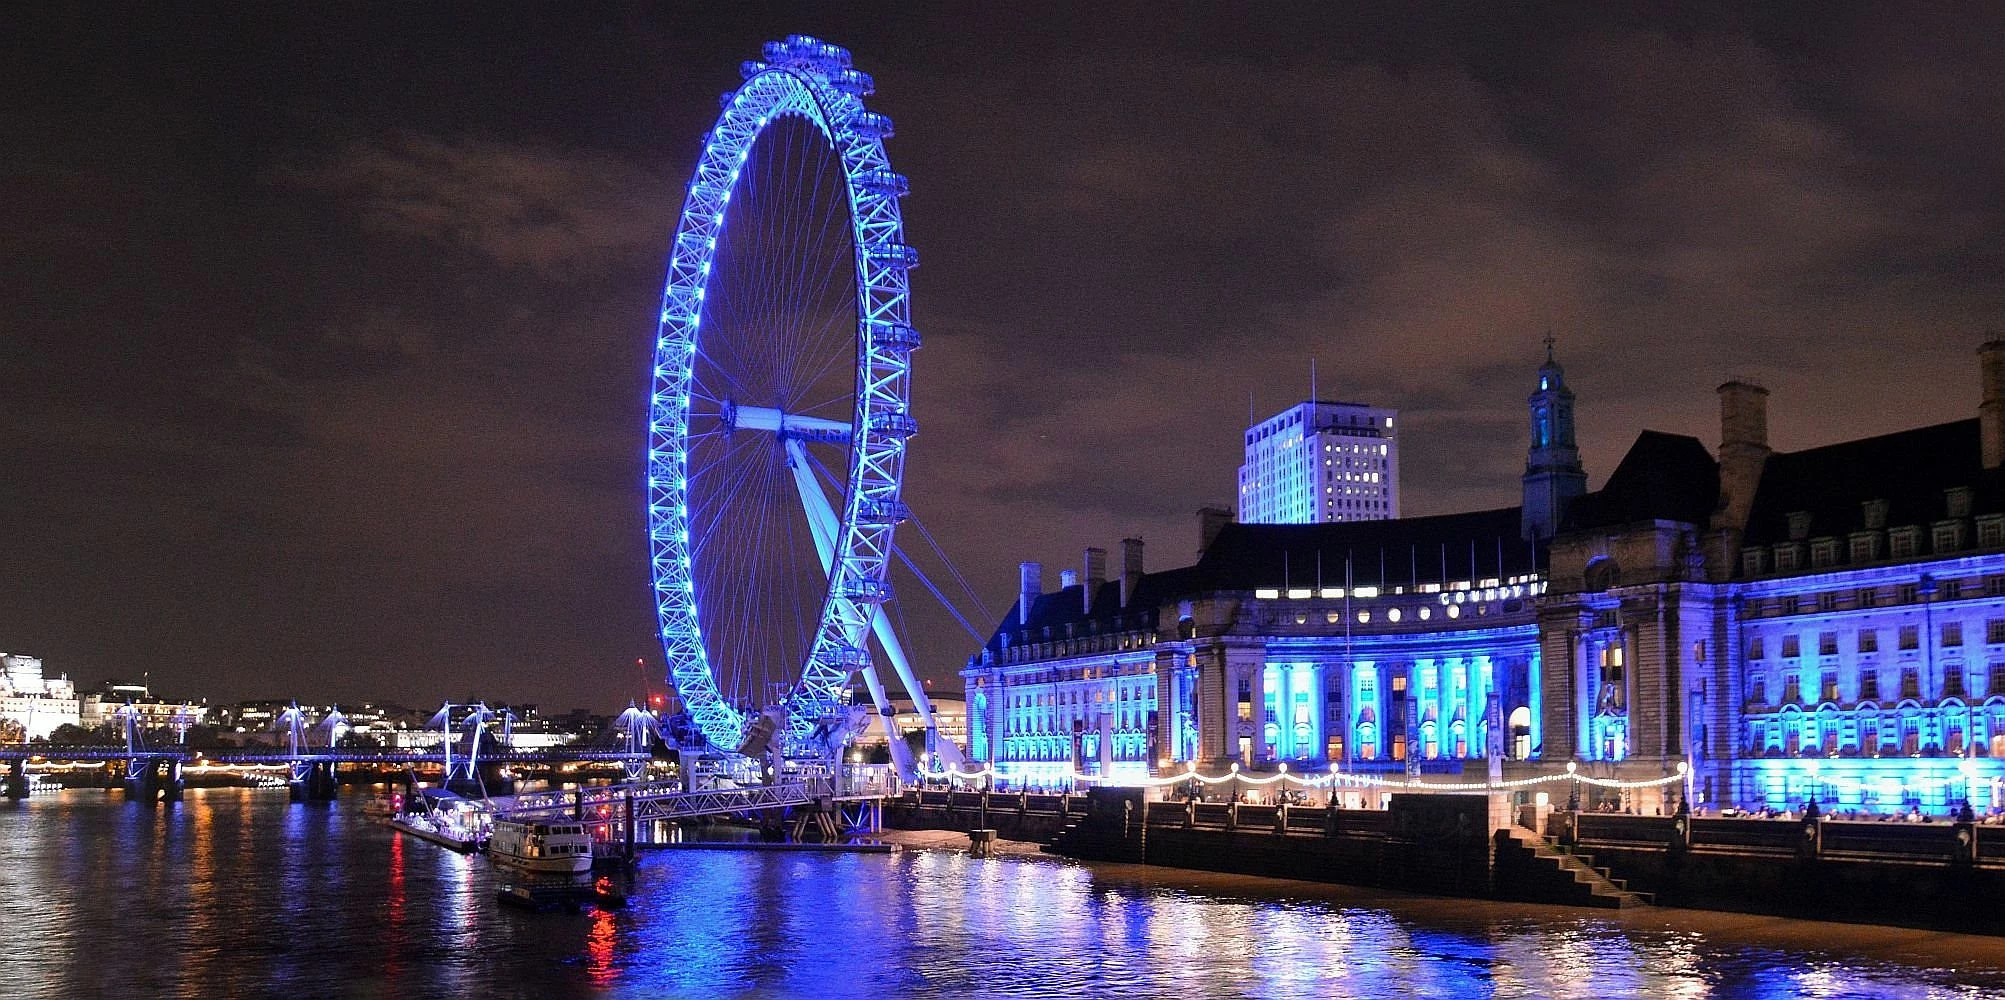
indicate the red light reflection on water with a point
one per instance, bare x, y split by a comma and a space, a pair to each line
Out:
599, 949
394, 933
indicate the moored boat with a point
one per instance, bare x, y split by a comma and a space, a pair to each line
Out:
561, 848
383, 807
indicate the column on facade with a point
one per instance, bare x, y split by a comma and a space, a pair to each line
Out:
1214, 702
1563, 718
1251, 666
1296, 685
1650, 667
1476, 706
1319, 725
1334, 677
1427, 702
1535, 699
1373, 744
1169, 665
1587, 682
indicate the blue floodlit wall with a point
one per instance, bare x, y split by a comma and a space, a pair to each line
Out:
1050, 717
1434, 695
1878, 689
1435, 689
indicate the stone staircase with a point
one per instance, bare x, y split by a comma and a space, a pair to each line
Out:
1531, 868
1099, 835
1066, 833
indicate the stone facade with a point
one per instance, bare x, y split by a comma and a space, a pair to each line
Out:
1828, 623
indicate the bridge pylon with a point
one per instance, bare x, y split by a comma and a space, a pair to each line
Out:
310, 780
154, 779
149, 776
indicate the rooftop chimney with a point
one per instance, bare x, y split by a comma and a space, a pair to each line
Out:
1743, 450
1030, 583
1210, 521
1991, 412
1068, 578
1131, 568
1096, 573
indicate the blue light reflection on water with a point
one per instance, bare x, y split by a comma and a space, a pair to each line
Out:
241, 893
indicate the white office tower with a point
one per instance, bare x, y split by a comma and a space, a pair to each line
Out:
1321, 461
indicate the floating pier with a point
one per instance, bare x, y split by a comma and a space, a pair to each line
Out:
424, 832
872, 847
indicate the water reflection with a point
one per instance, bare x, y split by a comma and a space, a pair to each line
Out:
600, 946
393, 912
242, 893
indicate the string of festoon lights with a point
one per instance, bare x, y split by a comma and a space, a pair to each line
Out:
1332, 778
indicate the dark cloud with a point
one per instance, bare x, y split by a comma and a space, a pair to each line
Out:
326, 333
551, 211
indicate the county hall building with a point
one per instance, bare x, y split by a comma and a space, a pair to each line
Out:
1825, 623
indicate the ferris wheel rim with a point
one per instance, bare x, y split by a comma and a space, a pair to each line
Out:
812, 79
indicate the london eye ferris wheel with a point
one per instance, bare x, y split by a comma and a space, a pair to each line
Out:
780, 413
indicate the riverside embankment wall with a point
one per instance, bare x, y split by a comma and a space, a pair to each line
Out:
1942, 876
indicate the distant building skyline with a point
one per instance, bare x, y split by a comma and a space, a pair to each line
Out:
1321, 461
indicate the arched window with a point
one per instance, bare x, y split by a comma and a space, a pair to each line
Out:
1521, 732
1614, 696
1601, 574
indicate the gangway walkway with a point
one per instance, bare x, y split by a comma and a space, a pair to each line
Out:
668, 801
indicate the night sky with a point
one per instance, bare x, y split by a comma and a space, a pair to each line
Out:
325, 329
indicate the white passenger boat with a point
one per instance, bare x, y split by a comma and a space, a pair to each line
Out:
559, 848
382, 807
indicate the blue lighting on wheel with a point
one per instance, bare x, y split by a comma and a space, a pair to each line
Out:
812, 80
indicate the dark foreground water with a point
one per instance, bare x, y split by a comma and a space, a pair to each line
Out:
238, 893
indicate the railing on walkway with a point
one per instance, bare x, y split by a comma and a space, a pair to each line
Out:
666, 800
337, 755
1602, 826
1300, 820
1030, 802
1890, 840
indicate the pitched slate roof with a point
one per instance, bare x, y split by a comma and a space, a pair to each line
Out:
1670, 477
1910, 470
1244, 557
1392, 553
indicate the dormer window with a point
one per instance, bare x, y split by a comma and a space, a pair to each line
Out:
1799, 525
1957, 500
1875, 513
1991, 531
1753, 561
1787, 556
1865, 546
1902, 542
1948, 536
1823, 552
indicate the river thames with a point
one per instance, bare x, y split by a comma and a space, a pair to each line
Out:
240, 893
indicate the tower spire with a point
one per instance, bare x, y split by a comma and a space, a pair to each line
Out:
1553, 473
